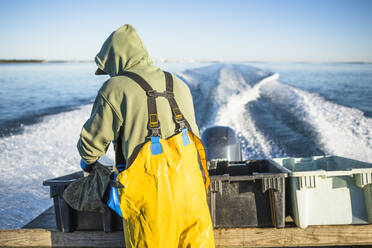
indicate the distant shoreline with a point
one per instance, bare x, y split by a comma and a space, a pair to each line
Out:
26, 61
13, 61
38, 61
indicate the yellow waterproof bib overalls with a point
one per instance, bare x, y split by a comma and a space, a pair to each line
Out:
163, 201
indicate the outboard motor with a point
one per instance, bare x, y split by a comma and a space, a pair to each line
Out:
221, 143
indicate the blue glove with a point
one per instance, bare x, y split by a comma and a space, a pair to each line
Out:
120, 167
85, 167
114, 202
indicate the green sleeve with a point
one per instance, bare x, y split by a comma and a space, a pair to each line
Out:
99, 130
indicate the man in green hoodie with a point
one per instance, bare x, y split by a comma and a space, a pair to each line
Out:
163, 200
122, 103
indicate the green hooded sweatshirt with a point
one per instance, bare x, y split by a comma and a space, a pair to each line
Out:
123, 103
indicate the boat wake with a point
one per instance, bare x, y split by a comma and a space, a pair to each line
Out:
274, 119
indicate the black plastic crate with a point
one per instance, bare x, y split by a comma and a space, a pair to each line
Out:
247, 193
69, 220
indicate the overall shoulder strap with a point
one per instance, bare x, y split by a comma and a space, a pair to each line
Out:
119, 157
153, 124
178, 117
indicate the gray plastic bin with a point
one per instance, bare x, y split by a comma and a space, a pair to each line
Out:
69, 220
329, 190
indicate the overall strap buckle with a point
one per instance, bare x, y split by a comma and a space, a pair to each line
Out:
154, 125
155, 132
179, 119
154, 121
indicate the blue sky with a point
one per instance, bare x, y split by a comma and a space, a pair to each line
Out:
316, 30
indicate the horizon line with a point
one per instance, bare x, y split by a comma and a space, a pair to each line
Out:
9, 61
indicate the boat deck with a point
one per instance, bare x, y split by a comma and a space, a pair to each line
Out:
42, 232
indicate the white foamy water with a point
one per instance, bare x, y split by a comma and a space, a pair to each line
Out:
233, 113
43, 151
339, 130
222, 93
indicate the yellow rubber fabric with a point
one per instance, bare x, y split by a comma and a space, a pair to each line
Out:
203, 159
164, 200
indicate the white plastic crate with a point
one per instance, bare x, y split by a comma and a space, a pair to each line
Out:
329, 190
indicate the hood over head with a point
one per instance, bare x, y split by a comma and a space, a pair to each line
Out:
122, 50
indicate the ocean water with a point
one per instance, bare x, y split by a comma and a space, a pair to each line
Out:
277, 110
